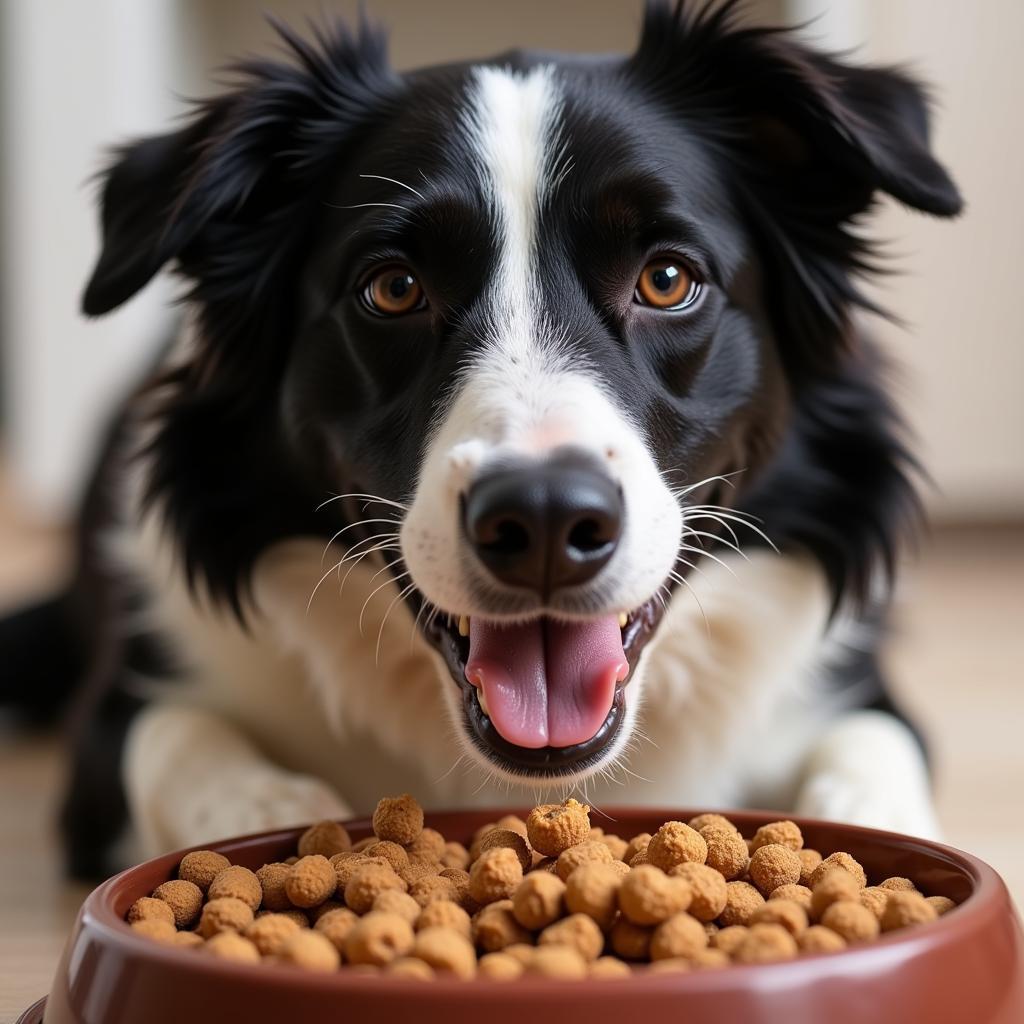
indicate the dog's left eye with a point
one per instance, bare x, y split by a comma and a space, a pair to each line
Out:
394, 291
667, 283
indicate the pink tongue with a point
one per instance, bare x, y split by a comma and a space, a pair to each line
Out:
547, 683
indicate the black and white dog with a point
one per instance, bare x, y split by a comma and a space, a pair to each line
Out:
518, 440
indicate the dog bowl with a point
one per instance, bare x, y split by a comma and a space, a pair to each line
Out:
967, 967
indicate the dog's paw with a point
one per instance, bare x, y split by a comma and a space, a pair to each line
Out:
859, 801
259, 801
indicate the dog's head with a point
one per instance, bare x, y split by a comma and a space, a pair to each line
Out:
535, 310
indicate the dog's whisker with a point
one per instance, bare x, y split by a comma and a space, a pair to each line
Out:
686, 583
362, 206
707, 554
369, 497
690, 532
702, 512
383, 622
309, 603
395, 181
373, 593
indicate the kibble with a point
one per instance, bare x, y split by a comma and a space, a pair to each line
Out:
551, 896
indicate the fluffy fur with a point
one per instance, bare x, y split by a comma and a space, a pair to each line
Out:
527, 192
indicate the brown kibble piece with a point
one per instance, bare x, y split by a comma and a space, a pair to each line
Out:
499, 967
496, 928
577, 931
766, 943
797, 893
556, 962
455, 856
187, 940
839, 860
742, 899
676, 843
609, 967
781, 833
399, 819
681, 935
269, 932
336, 925
394, 854
309, 950
729, 939
361, 845
717, 820
427, 847
707, 889
904, 909
592, 851
224, 914
638, 844
940, 904
184, 898
495, 875
647, 896
232, 946
773, 865
315, 913
874, 899
201, 867
378, 938
149, 909
394, 901
368, 881
709, 959
630, 941
509, 839
552, 828
326, 838
154, 928
444, 914
272, 878
818, 939
616, 845
835, 885
296, 915
852, 920
238, 882
788, 913
592, 889
538, 900
446, 951
311, 880
809, 861
430, 888
409, 968
673, 965
726, 851
898, 884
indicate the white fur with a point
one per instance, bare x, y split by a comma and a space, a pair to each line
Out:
522, 395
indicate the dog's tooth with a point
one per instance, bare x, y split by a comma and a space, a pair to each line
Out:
623, 619
463, 625
482, 699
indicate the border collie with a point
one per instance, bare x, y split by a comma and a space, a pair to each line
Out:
518, 439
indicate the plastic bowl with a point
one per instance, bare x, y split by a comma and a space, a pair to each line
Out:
967, 967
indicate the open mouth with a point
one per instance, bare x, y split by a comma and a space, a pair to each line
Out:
545, 697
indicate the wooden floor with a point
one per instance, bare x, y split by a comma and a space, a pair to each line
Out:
958, 656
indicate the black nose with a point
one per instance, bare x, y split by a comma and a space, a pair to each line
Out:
547, 525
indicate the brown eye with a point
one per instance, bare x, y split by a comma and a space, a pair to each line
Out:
667, 283
394, 291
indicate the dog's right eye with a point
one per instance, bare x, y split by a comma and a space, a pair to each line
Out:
393, 291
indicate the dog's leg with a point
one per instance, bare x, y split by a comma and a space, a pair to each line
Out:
192, 777
868, 768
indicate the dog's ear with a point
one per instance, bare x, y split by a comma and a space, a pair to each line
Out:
211, 194
808, 141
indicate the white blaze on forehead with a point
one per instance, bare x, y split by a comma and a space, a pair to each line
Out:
513, 121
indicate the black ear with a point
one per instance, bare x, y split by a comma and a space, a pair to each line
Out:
142, 226
806, 143
221, 192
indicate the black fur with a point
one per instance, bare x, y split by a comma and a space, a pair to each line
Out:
754, 154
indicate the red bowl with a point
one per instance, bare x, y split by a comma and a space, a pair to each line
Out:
967, 967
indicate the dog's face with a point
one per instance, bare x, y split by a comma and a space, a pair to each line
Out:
540, 308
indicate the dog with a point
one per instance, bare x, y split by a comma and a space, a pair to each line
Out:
518, 440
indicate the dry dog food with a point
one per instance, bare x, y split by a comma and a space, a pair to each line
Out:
547, 897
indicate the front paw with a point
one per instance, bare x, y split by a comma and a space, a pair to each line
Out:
259, 801
856, 801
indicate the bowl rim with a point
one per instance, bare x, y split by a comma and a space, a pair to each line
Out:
988, 893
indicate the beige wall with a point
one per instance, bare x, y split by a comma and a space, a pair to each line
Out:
960, 294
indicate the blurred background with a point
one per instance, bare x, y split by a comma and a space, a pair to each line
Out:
77, 76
